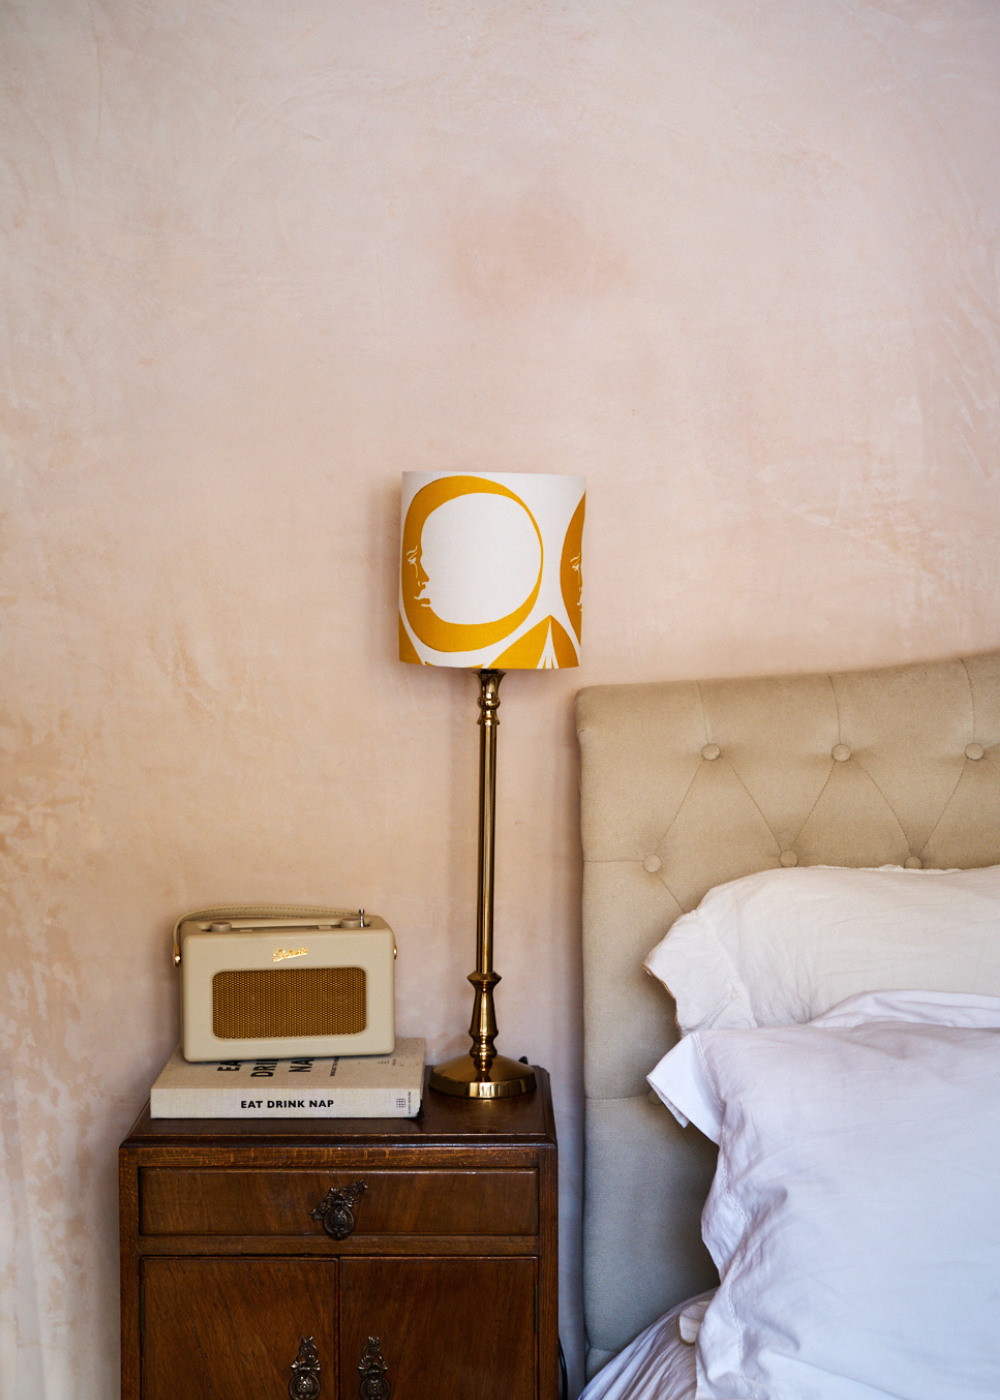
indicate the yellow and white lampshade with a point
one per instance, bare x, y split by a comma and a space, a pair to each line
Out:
490, 570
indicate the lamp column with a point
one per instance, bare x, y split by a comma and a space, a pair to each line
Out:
482, 1073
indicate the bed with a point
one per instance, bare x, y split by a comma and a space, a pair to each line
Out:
687, 786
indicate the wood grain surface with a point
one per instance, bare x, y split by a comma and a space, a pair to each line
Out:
262, 1202
453, 1254
455, 1329
229, 1329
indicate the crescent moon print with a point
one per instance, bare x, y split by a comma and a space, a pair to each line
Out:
491, 570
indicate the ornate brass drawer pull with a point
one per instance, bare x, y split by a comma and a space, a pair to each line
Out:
336, 1209
304, 1384
372, 1369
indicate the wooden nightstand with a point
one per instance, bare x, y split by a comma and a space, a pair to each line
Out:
419, 1256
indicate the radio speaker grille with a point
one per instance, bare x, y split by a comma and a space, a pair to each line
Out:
275, 1002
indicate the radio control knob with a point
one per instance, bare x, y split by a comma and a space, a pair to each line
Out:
351, 923
221, 928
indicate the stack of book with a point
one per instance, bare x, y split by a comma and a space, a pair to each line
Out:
369, 1086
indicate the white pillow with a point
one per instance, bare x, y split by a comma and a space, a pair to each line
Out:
855, 1212
783, 946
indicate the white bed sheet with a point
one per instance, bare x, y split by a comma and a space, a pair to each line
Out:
658, 1365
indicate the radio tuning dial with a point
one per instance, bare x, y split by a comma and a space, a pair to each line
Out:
221, 928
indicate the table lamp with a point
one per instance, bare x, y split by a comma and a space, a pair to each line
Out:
490, 581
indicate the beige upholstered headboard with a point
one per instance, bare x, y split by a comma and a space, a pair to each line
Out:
684, 786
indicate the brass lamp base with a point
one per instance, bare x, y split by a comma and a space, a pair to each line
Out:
463, 1078
482, 1073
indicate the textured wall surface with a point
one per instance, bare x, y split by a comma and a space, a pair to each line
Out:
734, 260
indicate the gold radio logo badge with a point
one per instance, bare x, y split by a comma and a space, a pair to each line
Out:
280, 954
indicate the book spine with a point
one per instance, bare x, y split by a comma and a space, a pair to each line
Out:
237, 1103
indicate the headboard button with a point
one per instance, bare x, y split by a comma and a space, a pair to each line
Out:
788, 859
711, 751
974, 751
913, 863
841, 753
652, 864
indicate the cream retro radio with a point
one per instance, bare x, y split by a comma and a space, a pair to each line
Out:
280, 982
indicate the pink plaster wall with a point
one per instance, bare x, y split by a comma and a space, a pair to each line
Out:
734, 260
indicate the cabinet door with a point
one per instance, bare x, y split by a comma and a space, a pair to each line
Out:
228, 1329
438, 1329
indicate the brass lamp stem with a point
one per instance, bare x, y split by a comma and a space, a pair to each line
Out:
482, 1073
483, 1029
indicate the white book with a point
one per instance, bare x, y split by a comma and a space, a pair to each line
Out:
364, 1086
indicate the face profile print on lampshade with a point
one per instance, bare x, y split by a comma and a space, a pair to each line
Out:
490, 570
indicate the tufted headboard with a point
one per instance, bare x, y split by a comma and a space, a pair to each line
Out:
686, 785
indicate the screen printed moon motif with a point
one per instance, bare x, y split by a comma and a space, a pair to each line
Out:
490, 570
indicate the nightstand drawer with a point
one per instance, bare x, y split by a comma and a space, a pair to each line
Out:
324, 1202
